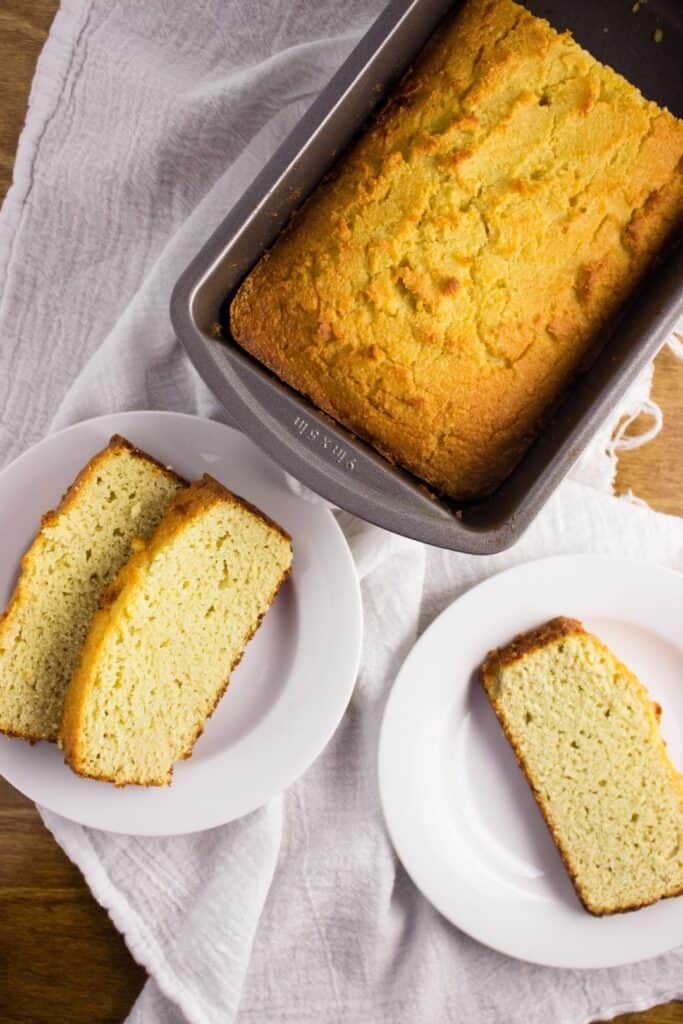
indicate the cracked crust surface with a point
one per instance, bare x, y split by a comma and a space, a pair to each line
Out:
438, 292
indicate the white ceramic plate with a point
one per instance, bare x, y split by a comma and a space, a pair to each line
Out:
459, 811
290, 691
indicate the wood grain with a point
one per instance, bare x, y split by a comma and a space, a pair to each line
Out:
61, 959
23, 27
655, 472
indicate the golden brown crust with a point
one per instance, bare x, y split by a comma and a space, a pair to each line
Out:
532, 640
439, 291
186, 505
521, 646
116, 442
211, 486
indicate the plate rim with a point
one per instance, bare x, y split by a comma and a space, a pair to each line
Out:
385, 761
353, 632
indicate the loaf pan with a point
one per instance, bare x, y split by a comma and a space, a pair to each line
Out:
645, 46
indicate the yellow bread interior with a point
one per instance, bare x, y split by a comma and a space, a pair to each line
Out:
587, 736
439, 291
174, 625
121, 494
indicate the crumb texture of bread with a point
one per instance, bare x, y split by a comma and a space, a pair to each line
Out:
172, 627
121, 494
440, 290
586, 734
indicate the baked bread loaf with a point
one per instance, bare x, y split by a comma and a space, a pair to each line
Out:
437, 294
121, 494
172, 627
586, 735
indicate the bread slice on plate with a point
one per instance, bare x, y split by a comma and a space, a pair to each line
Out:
121, 494
173, 625
586, 735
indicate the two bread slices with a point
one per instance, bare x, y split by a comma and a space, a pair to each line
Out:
182, 576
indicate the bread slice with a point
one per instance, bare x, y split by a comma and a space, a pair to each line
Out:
586, 735
173, 626
121, 494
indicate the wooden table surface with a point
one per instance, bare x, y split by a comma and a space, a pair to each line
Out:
62, 960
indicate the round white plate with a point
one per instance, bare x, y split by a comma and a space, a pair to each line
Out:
460, 813
289, 692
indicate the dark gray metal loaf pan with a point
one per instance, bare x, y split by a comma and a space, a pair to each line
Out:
325, 456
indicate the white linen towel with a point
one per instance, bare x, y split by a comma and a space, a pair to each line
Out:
146, 123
